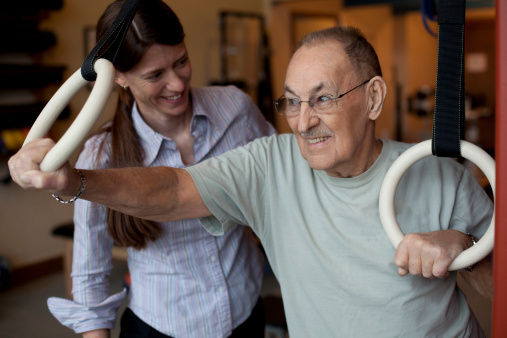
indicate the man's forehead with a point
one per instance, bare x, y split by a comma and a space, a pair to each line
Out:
324, 58
310, 89
311, 72
322, 50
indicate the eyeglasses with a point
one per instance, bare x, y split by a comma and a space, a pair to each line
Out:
321, 104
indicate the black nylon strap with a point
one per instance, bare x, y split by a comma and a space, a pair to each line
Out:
449, 115
109, 44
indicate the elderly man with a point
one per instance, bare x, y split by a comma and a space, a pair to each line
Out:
312, 199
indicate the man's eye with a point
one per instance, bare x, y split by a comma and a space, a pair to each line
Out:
292, 102
323, 98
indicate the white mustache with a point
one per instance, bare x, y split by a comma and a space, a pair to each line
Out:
316, 133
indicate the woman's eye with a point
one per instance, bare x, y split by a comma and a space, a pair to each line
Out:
154, 76
182, 62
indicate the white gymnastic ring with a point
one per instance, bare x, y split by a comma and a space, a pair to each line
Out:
85, 120
386, 199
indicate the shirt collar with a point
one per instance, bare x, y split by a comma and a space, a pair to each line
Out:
200, 108
152, 142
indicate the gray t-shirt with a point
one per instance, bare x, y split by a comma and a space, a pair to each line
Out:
327, 247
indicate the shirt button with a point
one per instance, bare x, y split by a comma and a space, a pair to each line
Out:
220, 289
213, 258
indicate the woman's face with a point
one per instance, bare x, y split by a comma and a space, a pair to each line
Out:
160, 82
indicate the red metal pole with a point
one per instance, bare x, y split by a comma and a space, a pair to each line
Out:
499, 328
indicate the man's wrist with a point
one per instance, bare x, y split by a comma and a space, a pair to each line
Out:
79, 192
473, 240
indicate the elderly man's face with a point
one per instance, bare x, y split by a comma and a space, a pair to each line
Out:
333, 141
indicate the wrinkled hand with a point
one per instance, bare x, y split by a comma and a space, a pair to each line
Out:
25, 171
430, 254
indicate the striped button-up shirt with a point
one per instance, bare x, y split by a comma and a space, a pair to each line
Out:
186, 283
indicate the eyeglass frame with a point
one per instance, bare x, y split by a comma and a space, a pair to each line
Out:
311, 104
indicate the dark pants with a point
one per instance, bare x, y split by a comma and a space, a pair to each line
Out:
253, 327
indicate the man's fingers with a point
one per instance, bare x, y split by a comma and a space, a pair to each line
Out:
24, 165
402, 272
428, 254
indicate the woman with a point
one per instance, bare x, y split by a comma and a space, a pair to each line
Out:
184, 282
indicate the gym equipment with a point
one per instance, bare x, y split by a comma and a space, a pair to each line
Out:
98, 65
392, 179
83, 123
448, 131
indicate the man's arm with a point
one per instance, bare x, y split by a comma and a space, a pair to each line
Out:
481, 277
160, 194
430, 254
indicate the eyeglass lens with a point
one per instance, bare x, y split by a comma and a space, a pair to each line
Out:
320, 103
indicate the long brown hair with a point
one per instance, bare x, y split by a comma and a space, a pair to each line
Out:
154, 23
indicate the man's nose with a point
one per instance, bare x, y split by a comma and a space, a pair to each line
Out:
307, 117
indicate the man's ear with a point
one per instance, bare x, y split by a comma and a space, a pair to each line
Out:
377, 91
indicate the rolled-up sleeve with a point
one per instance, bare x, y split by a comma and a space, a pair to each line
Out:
93, 307
83, 318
